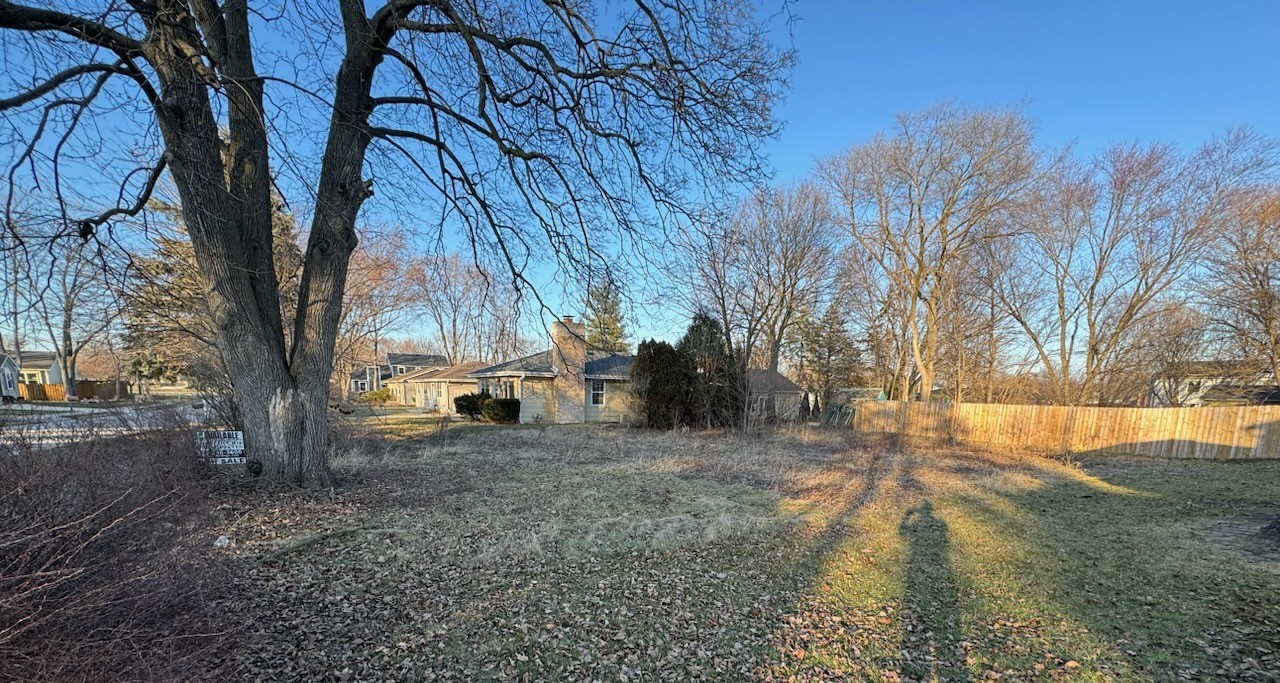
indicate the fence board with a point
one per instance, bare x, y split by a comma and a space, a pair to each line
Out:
1219, 432
33, 391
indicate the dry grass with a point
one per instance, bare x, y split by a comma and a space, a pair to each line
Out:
581, 553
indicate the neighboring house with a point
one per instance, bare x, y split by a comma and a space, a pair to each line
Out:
8, 378
373, 377
565, 384
1206, 382
433, 389
787, 395
1227, 395
40, 367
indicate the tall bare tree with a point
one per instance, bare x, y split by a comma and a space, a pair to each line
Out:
918, 199
760, 273
470, 314
526, 122
71, 299
379, 297
1241, 281
1104, 240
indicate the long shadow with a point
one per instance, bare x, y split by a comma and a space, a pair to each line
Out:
932, 597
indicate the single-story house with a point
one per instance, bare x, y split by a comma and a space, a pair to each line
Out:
569, 384
565, 384
433, 389
1198, 383
40, 367
1228, 395
8, 378
373, 377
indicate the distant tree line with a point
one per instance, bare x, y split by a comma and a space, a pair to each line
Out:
953, 258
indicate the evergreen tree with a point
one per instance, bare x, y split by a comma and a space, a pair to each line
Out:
605, 330
715, 381
168, 326
829, 355
658, 380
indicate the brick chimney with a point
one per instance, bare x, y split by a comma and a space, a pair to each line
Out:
569, 357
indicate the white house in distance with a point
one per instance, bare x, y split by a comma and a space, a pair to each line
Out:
1226, 382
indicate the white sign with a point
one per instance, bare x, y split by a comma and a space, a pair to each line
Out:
221, 447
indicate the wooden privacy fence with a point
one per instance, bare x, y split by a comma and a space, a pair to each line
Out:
33, 391
1221, 432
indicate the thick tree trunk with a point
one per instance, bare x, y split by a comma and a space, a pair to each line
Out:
281, 395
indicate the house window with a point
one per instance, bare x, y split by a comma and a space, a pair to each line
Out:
597, 392
399, 369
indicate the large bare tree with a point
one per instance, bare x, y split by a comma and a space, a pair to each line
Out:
918, 199
527, 122
1103, 241
471, 315
765, 268
1241, 284
70, 298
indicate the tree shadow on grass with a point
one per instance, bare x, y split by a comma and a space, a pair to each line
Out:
930, 644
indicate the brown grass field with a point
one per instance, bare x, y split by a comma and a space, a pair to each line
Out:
576, 553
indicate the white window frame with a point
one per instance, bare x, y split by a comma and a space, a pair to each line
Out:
597, 397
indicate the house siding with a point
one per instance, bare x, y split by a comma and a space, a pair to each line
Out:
617, 405
432, 397
536, 400
8, 377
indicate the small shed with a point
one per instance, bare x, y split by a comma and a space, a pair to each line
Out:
786, 394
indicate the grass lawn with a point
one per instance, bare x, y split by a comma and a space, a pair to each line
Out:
581, 553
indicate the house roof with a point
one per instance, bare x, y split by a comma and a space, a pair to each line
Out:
6, 358
413, 374
535, 364
1246, 395
599, 365
605, 365
41, 359
418, 360
456, 373
1205, 369
763, 381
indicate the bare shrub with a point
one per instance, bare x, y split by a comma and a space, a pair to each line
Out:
97, 577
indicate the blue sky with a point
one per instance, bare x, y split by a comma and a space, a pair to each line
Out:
1090, 72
